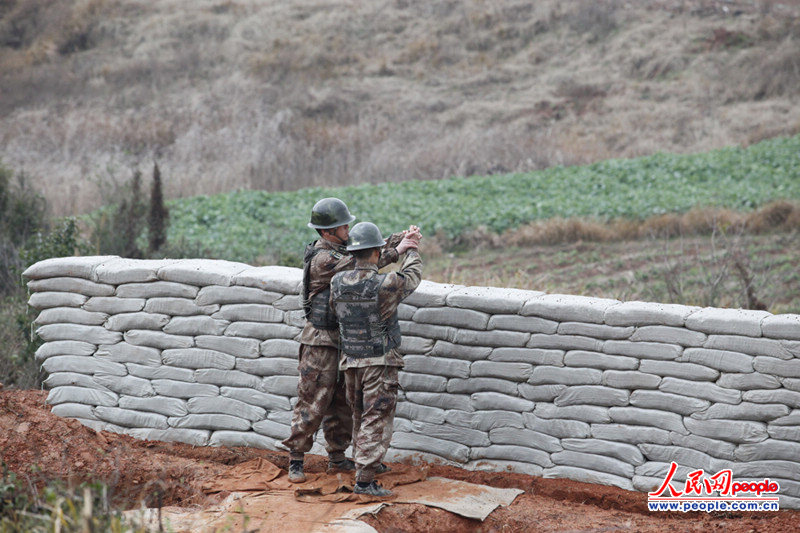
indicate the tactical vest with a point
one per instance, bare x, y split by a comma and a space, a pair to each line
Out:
316, 309
362, 333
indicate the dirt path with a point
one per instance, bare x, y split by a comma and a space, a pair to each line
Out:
135, 470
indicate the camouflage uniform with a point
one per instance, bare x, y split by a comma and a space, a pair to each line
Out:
371, 382
320, 390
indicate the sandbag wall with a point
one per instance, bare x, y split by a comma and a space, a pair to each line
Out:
596, 390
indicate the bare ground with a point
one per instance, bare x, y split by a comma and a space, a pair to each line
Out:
30, 436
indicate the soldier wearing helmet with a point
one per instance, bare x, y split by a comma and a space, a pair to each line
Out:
321, 398
365, 303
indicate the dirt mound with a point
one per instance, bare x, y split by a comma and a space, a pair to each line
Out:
40, 446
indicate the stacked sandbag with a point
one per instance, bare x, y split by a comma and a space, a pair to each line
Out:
551, 385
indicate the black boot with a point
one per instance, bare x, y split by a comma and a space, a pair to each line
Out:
345, 465
296, 474
371, 489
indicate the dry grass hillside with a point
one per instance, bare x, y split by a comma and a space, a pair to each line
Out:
282, 95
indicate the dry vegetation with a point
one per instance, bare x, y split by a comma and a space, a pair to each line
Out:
281, 95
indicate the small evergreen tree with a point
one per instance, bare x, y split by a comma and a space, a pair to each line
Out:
130, 219
158, 220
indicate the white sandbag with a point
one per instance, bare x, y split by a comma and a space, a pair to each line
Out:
768, 450
580, 358
786, 397
163, 405
460, 402
598, 331
411, 457
295, 318
493, 300
470, 385
487, 401
715, 321
565, 376
62, 379
723, 360
283, 417
227, 378
405, 311
462, 435
282, 279
565, 342
422, 383
73, 285
513, 453
270, 402
557, 427
82, 365
632, 380
684, 457
129, 385
584, 413
161, 372
54, 348
46, 300
246, 439
262, 331
280, 348
431, 294
675, 369
111, 305
706, 391
484, 420
268, 366
157, 339
648, 417
738, 431
750, 346
210, 421
644, 350
591, 395
202, 272
791, 383
660, 470
494, 369
290, 302
198, 358
424, 443
778, 367
768, 468
182, 389
593, 461
75, 266
178, 307
424, 413
130, 418
528, 324
669, 335
226, 406
438, 366
525, 437
249, 313
784, 433
122, 270
449, 316
238, 347
77, 332
99, 425
750, 381
781, 326
281, 385
462, 353
81, 395
123, 352
415, 345
641, 313
128, 321
528, 355
428, 331
493, 338
588, 476
157, 290
195, 437
74, 410
235, 295
713, 447
760, 412
568, 308
515, 467
540, 393
655, 399
272, 429
627, 453
631, 434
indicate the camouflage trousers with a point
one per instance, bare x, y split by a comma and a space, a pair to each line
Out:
321, 400
372, 395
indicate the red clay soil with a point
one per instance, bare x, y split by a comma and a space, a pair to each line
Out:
39, 446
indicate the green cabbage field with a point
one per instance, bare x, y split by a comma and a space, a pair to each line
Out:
247, 225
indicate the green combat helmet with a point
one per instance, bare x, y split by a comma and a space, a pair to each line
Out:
330, 213
364, 235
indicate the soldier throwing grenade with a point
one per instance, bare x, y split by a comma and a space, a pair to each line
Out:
366, 304
320, 390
